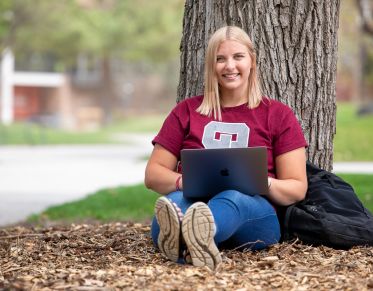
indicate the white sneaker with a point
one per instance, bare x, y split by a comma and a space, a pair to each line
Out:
169, 228
198, 228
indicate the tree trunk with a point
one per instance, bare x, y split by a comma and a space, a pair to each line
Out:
107, 94
366, 15
296, 44
366, 27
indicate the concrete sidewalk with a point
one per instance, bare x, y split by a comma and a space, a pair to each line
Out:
353, 167
34, 178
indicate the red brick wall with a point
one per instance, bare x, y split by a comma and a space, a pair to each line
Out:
26, 102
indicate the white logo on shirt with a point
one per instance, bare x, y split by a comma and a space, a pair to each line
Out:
225, 135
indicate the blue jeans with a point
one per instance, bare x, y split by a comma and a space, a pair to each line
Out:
242, 221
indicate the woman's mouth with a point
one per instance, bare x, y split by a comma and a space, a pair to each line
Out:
231, 76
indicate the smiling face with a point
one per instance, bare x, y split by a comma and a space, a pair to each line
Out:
232, 68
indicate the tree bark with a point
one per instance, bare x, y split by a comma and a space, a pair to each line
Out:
296, 44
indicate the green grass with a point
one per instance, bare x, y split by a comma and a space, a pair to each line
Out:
354, 138
145, 123
20, 134
31, 134
363, 187
136, 203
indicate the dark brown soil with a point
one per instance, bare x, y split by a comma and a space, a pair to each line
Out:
119, 256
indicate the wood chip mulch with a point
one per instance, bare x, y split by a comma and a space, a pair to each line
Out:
120, 256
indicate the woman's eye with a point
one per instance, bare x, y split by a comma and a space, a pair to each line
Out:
220, 59
238, 57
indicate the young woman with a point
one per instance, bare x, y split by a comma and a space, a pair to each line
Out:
231, 113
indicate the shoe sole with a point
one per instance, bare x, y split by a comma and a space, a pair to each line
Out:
198, 228
169, 228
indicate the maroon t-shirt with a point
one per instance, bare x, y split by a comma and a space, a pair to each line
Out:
271, 124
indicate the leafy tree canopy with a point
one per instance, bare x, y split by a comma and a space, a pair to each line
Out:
134, 30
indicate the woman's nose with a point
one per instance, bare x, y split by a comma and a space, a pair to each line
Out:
229, 64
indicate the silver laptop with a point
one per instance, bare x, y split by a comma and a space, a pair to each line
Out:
207, 172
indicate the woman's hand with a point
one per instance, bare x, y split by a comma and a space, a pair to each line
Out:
179, 183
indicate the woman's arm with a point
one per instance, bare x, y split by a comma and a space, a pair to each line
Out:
160, 172
291, 183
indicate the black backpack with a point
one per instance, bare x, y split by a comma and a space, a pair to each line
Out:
330, 215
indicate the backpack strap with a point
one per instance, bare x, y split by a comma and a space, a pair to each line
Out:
286, 234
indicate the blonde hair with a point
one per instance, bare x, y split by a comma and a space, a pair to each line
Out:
211, 101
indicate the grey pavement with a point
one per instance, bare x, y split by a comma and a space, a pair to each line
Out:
353, 167
33, 178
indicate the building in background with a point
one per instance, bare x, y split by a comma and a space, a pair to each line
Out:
76, 100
